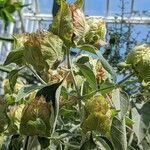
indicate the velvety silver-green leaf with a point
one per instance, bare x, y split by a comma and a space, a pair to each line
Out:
121, 102
97, 121
24, 91
43, 50
13, 75
19, 40
118, 134
15, 56
142, 121
89, 75
105, 64
89, 145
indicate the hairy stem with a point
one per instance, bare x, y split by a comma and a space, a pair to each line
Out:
6, 39
25, 145
73, 77
37, 76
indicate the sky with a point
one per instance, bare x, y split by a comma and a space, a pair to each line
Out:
98, 7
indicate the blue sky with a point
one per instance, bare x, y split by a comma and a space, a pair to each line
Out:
98, 7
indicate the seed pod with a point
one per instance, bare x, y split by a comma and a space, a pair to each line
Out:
97, 104
35, 118
139, 59
97, 33
97, 121
97, 115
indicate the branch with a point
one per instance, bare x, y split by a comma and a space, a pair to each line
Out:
37, 76
6, 39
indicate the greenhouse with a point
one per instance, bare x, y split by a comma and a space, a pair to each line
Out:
74, 74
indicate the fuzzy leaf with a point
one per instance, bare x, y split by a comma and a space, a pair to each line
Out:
62, 23
13, 75
24, 91
104, 62
121, 102
118, 134
16, 57
89, 145
142, 121
89, 75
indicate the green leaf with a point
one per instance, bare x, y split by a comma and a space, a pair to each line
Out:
62, 24
121, 102
118, 134
16, 142
106, 65
24, 91
7, 16
18, 5
89, 145
16, 57
89, 75
118, 130
88, 48
9, 98
2, 2
10, 8
129, 122
142, 121
13, 75
44, 142
83, 59
106, 87
107, 143
79, 3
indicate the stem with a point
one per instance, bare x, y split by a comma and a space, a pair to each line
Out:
126, 78
94, 92
67, 134
73, 77
3, 38
131, 138
29, 78
114, 86
37, 76
70, 145
25, 146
